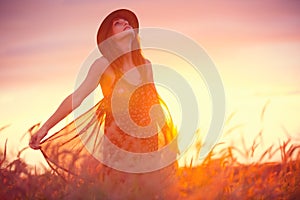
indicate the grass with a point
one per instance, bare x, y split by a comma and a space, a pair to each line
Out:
225, 178
220, 176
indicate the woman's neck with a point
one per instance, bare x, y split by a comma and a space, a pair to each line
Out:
124, 43
127, 62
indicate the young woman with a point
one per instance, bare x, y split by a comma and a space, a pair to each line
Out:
134, 119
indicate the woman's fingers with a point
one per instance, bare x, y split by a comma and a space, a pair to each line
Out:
36, 139
34, 146
34, 142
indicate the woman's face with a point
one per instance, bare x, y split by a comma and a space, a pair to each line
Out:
120, 25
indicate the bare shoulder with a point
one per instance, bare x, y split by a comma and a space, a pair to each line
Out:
148, 65
147, 61
101, 62
100, 66
149, 71
104, 66
107, 76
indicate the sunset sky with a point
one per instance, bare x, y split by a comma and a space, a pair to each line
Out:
255, 46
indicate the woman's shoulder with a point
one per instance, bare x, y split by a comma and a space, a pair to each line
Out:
147, 61
148, 70
102, 65
101, 62
148, 65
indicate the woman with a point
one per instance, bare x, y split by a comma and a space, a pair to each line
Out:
133, 115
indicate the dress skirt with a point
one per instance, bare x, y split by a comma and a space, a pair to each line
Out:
97, 148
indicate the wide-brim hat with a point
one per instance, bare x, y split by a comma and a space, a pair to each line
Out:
106, 23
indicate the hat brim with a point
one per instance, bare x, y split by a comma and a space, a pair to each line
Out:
106, 23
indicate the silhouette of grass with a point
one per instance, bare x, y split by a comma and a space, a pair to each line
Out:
219, 176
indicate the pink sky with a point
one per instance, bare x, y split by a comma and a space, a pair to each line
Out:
254, 44
38, 35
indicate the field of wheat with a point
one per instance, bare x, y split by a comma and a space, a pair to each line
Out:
219, 176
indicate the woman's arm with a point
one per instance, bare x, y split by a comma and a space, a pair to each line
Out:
72, 101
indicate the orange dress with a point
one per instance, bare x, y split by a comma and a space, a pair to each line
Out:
86, 148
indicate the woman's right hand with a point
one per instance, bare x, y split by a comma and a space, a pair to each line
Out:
36, 138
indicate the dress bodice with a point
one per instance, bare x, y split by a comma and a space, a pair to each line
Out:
128, 110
